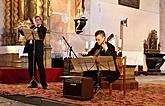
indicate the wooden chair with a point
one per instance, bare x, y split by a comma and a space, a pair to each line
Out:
121, 65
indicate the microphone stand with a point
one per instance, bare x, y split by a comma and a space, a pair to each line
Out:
33, 77
70, 50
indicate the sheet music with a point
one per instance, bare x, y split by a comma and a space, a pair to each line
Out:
29, 33
92, 63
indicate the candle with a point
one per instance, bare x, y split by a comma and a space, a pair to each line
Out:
86, 44
92, 44
119, 45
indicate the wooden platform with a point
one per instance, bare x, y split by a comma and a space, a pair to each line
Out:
131, 83
21, 75
118, 84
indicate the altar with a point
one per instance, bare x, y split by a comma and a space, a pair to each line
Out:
154, 56
13, 57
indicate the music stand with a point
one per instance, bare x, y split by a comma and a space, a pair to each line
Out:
70, 51
94, 63
31, 34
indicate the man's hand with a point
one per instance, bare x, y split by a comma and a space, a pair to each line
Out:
19, 27
105, 47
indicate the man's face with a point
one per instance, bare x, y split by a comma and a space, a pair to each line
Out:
38, 21
99, 39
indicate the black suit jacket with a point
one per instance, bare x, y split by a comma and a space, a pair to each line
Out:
39, 45
110, 52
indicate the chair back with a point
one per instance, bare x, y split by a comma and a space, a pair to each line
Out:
121, 64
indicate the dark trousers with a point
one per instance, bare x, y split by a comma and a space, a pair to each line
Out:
32, 70
111, 76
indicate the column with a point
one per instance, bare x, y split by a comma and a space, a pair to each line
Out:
162, 24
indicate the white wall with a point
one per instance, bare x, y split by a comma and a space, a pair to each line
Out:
107, 14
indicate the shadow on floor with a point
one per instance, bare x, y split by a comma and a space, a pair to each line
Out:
39, 101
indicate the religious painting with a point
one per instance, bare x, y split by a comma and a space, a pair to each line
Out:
130, 3
29, 9
79, 8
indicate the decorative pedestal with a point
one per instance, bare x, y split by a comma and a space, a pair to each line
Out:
13, 61
152, 59
47, 57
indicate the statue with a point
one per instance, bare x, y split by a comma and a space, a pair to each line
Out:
152, 40
154, 59
145, 45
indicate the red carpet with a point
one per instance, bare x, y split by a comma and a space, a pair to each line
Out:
19, 75
146, 95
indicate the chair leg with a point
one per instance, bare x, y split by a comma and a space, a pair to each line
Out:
124, 76
124, 84
124, 89
110, 89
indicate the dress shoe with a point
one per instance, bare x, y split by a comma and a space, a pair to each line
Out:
33, 86
44, 87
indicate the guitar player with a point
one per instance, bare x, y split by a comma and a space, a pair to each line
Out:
103, 48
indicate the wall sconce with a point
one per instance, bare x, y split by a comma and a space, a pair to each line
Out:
79, 24
124, 22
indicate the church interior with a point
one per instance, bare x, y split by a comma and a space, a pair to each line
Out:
138, 29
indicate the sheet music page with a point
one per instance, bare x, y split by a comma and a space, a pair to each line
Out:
105, 63
91, 63
29, 33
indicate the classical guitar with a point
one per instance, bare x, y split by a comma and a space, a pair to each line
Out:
108, 39
98, 50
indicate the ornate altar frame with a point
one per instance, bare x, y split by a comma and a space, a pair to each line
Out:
17, 11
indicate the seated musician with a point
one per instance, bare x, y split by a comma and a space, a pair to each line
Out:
103, 48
